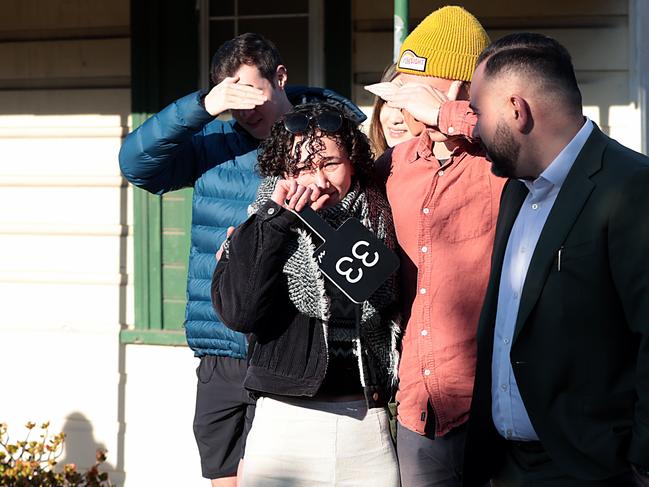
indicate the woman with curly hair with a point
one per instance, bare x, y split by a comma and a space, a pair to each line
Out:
321, 367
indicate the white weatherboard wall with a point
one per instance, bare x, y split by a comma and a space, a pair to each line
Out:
66, 279
160, 396
63, 278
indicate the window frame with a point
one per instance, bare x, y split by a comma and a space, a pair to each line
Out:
315, 16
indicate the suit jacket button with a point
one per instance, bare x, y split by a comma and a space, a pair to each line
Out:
375, 396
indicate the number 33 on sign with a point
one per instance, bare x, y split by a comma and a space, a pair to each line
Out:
351, 257
362, 258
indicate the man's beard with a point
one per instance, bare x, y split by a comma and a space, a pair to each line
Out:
503, 152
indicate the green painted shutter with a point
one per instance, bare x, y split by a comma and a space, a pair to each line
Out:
176, 234
164, 67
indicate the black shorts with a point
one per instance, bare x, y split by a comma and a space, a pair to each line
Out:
224, 412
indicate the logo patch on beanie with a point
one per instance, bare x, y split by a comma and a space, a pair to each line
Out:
409, 60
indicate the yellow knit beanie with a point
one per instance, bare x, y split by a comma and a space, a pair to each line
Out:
446, 44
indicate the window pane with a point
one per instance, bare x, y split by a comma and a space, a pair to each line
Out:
291, 36
220, 31
221, 7
257, 7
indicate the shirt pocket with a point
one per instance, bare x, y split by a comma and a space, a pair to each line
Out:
464, 208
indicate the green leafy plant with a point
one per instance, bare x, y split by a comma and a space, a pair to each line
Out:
33, 462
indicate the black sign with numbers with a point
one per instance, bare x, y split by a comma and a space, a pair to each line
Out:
352, 257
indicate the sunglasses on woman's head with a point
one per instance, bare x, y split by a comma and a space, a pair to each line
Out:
297, 123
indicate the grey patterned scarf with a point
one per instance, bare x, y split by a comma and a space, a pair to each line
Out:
380, 326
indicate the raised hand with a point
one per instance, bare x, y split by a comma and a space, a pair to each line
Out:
230, 95
422, 101
289, 194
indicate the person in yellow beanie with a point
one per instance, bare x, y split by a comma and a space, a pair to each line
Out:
444, 200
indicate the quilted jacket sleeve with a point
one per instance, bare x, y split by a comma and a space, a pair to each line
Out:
167, 151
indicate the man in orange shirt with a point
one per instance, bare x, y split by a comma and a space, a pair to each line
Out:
445, 202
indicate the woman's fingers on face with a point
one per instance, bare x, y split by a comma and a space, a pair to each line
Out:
287, 189
315, 192
295, 197
280, 193
291, 188
304, 199
320, 202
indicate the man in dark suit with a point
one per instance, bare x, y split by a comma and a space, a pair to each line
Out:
561, 395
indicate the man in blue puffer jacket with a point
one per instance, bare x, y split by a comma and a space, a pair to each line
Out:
185, 146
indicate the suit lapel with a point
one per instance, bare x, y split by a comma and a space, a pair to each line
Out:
513, 196
571, 198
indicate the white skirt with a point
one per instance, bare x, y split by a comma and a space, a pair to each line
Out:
296, 442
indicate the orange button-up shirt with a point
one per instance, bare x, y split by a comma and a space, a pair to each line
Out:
445, 218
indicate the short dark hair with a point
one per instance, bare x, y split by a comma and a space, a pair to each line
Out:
277, 157
539, 56
249, 48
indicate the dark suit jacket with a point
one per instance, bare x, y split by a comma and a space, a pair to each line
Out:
580, 352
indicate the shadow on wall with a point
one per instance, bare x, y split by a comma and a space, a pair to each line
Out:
81, 447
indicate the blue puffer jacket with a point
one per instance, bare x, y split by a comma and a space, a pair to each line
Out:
184, 146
